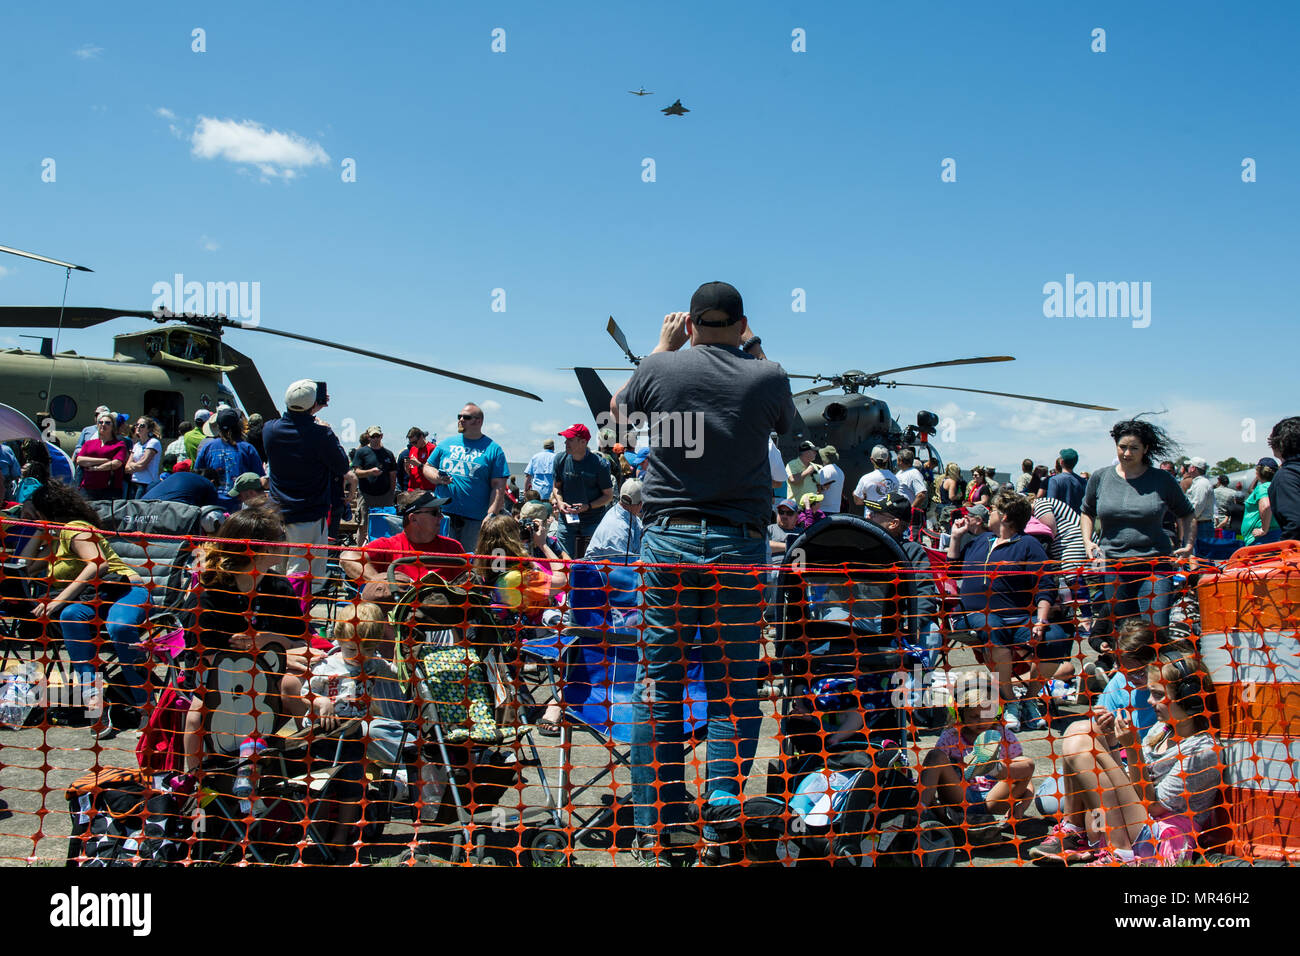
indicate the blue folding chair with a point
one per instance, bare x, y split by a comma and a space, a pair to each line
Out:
382, 523
598, 655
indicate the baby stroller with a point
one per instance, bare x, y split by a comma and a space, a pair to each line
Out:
846, 617
449, 648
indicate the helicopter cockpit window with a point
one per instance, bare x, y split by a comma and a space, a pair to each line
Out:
187, 345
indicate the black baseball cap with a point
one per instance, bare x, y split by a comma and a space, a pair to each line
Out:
717, 296
427, 500
807, 446
893, 504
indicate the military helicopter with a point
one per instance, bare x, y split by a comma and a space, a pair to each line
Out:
853, 421
168, 373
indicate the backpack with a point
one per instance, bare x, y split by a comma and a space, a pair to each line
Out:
161, 746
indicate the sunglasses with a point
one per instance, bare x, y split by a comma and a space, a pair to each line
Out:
784, 511
466, 418
107, 421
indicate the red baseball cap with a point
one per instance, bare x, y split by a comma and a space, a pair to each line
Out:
576, 431
183, 465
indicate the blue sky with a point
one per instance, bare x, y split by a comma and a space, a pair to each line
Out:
818, 171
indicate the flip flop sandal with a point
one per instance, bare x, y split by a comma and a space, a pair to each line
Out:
548, 728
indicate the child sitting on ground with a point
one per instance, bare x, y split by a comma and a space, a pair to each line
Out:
1126, 696
977, 769
1154, 807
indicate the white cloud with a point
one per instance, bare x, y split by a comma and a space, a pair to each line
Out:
4, 271
548, 428
273, 153
88, 51
490, 406
576, 403
1051, 419
165, 113
208, 245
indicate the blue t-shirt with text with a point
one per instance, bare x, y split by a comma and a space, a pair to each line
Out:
471, 465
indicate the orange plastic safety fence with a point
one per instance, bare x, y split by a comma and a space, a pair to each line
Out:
192, 704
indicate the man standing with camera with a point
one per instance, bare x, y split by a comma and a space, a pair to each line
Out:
304, 457
706, 503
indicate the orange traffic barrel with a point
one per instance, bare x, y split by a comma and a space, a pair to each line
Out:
1250, 643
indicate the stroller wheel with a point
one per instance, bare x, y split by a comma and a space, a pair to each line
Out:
547, 847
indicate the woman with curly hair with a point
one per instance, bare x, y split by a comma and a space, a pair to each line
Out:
1129, 500
89, 585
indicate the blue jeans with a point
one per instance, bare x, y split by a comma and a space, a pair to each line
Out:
726, 607
124, 618
1134, 588
574, 536
1018, 633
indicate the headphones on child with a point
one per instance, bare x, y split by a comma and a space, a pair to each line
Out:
1188, 689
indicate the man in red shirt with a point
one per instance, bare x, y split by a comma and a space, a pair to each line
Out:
421, 513
411, 464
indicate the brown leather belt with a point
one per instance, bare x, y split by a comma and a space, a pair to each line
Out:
705, 520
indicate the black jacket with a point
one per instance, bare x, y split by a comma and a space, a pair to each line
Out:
302, 457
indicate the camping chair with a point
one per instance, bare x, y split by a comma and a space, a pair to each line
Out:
293, 788
595, 662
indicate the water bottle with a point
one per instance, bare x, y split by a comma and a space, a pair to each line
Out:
248, 751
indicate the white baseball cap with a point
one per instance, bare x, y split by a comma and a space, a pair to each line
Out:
300, 396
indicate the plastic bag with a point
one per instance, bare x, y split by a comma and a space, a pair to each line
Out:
18, 696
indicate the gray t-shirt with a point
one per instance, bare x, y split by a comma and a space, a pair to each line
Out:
1186, 776
710, 410
1131, 511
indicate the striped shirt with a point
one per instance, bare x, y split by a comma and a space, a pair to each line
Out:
1067, 547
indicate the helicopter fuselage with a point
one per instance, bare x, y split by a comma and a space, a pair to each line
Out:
67, 386
854, 423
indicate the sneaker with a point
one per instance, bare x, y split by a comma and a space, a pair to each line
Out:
645, 851
1029, 715
717, 854
1011, 716
1064, 845
1110, 857
982, 827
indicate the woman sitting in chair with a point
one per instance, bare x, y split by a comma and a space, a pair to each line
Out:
90, 585
239, 592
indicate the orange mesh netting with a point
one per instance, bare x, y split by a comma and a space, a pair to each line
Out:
205, 708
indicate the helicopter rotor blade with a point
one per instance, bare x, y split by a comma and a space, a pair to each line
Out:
250, 388
617, 335
817, 389
40, 258
966, 361
74, 317
483, 383
983, 391
599, 368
